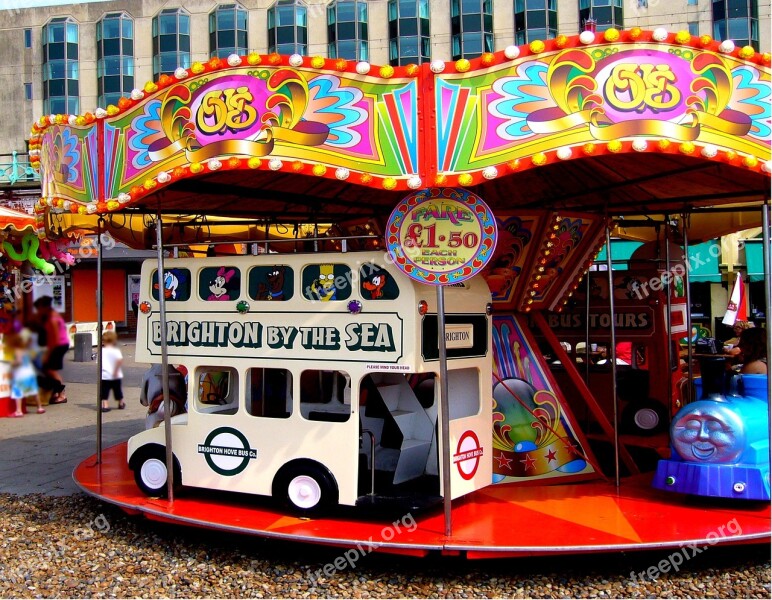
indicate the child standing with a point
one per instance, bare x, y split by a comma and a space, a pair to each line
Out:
112, 375
24, 379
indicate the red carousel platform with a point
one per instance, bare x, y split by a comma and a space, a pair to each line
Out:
500, 521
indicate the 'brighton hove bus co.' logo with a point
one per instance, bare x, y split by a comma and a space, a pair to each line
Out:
227, 451
468, 453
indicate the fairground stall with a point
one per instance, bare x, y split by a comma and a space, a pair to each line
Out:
563, 140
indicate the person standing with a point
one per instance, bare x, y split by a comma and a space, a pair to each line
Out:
57, 344
24, 381
112, 374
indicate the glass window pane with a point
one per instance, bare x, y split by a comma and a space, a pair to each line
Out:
168, 43
112, 66
694, 28
128, 28
469, 7
56, 87
347, 31
72, 33
226, 19
111, 28
346, 11
285, 35
28, 38
111, 47
56, 33
226, 39
55, 51
301, 18
167, 24
738, 29
471, 23
519, 6
362, 9
72, 51
408, 8
408, 46
241, 42
128, 47
425, 27
184, 24
737, 8
408, 27
285, 15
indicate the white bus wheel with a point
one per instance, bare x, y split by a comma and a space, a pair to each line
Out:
150, 472
305, 487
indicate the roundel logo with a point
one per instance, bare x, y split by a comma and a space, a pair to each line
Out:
227, 451
468, 453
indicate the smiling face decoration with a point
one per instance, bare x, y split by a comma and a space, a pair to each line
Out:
708, 432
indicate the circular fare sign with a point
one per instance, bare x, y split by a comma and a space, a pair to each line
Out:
441, 236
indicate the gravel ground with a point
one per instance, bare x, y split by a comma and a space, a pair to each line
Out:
78, 547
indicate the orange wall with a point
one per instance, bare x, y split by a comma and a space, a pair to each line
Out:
84, 295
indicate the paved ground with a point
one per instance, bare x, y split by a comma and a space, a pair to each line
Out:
39, 452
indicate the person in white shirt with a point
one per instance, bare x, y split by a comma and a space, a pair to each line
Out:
112, 375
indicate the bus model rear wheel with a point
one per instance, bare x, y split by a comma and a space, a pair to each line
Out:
305, 487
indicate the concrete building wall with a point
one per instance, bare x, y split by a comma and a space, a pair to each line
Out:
19, 65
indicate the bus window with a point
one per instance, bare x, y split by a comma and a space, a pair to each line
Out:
217, 390
176, 285
376, 283
219, 283
326, 282
325, 396
269, 393
273, 282
463, 393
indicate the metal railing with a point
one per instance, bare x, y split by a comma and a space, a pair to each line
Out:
15, 168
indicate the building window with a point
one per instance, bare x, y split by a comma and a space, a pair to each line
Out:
535, 20
608, 14
115, 58
228, 31
28, 91
347, 30
409, 40
171, 41
737, 20
691, 2
28, 38
60, 67
694, 27
288, 27
471, 24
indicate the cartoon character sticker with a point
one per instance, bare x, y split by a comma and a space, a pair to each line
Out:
176, 285
219, 285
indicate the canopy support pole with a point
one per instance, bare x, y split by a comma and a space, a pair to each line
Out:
768, 298
444, 408
669, 303
164, 360
687, 290
100, 225
613, 353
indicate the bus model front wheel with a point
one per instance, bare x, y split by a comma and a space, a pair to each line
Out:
150, 472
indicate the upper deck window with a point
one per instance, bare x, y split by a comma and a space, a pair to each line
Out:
271, 283
176, 285
326, 282
219, 283
376, 283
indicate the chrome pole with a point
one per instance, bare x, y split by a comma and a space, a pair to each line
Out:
669, 304
687, 290
768, 297
613, 353
444, 409
100, 224
164, 360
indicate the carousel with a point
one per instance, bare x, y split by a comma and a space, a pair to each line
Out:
566, 142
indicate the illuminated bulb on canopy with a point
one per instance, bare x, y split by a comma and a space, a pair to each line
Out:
564, 153
490, 172
234, 60
659, 35
727, 47
639, 145
163, 177
437, 66
414, 182
180, 73
363, 67
296, 60
709, 151
587, 37
72, 119
137, 94
274, 164
512, 52
342, 173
